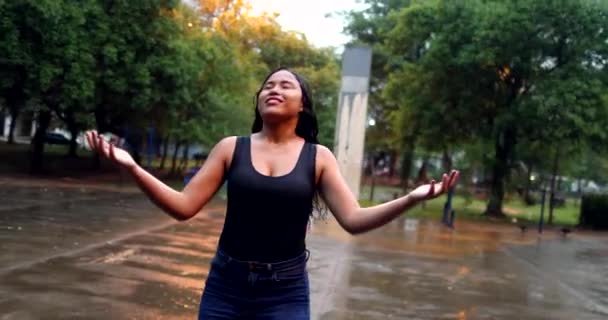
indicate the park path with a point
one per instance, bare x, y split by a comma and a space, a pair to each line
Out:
79, 252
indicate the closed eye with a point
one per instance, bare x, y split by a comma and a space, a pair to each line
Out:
284, 85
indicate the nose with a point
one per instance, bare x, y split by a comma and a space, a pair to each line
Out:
273, 94
274, 90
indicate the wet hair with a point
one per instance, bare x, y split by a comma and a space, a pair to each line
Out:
307, 127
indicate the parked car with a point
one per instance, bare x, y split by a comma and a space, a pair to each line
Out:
56, 138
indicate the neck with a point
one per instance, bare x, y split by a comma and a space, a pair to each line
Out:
280, 132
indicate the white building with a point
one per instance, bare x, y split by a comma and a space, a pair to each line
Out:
24, 128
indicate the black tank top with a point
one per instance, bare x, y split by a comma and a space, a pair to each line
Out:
267, 217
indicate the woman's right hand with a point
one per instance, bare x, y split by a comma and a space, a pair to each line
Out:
109, 151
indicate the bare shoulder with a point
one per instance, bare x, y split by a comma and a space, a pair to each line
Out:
324, 153
225, 147
223, 151
325, 157
227, 142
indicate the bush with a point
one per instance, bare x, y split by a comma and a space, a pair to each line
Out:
594, 211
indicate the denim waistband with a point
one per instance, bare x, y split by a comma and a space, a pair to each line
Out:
293, 264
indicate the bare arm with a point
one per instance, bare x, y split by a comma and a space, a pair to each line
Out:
345, 207
180, 205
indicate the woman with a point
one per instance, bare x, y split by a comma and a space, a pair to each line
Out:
273, 175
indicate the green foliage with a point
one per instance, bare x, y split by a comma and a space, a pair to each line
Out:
510, 72
124, 66
371, 27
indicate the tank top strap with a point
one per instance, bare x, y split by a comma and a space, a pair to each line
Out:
309, 162
241, 152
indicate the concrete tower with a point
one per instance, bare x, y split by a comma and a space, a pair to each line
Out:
352, 114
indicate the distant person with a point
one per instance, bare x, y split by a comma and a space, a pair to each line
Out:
273, 177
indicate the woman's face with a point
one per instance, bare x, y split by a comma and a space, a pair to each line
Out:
281, 97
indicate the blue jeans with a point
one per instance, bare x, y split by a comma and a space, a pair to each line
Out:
251, 290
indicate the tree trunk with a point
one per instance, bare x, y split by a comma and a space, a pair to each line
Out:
174, 159
423, 175
553, 186
185, 155
37, 155
15, 100
446, 160
579, 190
393, 163
72, 152
528, 184
407, 159
164, 153
505, 141
373, 180
73, 128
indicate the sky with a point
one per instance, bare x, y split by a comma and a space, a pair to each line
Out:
309, 17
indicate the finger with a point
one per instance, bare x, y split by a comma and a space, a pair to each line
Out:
89, 142
95, 138
98, 144
438, 189
106, 147
451, 179
103, 147
112, 154
454, 179
93, 142
445, 183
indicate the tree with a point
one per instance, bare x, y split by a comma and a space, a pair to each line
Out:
199, 81
125, 66
127, 37
264, 46
483, 61
52, 64
574, 114
14, 62
392, 132
66, 65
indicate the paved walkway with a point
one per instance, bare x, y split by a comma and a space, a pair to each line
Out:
85, 253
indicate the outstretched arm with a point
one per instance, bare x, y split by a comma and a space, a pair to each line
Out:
345, 207
180, 205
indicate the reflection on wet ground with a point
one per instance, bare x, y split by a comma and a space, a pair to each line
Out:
75, 253
476, 272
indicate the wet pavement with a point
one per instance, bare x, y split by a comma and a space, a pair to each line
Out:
79, 252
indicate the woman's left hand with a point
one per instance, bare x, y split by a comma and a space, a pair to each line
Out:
433, 189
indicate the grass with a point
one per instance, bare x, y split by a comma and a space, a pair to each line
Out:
15, 159
472, 209
568, 214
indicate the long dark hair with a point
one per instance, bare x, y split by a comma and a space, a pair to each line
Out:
307, 127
